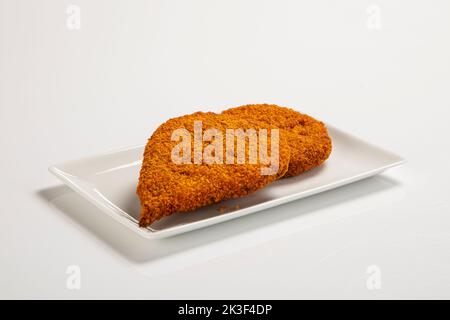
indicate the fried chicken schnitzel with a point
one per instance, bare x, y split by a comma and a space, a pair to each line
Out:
307, 137
166, 187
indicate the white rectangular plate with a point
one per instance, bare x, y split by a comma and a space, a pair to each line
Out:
109, 182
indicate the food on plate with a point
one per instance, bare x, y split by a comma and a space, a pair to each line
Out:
307, 137
204, 158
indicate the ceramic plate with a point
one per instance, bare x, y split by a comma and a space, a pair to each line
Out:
109, 182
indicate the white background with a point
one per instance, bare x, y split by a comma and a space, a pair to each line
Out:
66, 94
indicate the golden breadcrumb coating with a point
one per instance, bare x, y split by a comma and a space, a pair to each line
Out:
307, 137
166, 187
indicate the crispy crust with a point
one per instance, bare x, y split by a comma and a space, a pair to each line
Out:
165, 187
307, 137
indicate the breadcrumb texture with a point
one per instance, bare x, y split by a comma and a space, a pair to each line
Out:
308, 138
165, 187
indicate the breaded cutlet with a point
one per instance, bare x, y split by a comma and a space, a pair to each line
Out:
166, 187
307, 137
